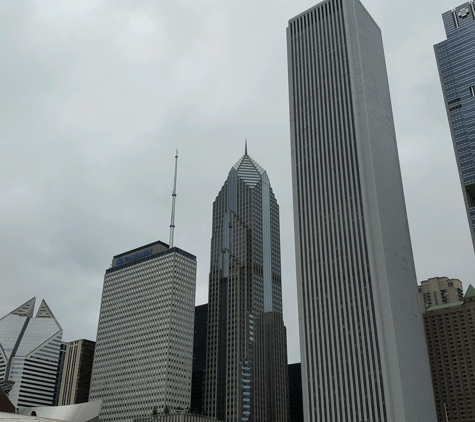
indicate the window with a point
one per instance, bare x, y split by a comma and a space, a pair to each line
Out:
444, 294
427, 301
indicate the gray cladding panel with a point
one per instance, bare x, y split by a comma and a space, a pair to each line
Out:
394, 280
348, 207
332, 256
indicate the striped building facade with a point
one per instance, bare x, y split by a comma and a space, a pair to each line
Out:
144, 350
76, 375
30, 354
364, 357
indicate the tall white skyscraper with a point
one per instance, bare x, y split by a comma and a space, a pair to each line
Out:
29, 354
144, 348
364, 356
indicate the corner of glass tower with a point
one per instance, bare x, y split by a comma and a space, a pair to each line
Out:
456, 63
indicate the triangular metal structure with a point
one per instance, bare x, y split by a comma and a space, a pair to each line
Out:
26, 309
45, 312
470, 292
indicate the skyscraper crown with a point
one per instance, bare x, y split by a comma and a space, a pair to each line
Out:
249, 171
26, 309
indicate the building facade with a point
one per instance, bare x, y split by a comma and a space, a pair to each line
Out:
183, 417
439, 291
199, 359
246, 367
450, 333
295, 393
30, 354
363, 352
77, 370
144, 348
59, 373
456, 62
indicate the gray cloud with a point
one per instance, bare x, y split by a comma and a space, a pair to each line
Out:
97, 95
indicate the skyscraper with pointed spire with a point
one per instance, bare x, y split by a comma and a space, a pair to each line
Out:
29, 354
246, 369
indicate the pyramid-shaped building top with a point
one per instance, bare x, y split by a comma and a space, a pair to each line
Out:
29, 354
26, 309
248, 170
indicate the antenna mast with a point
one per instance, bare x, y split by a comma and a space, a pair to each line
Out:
172, 223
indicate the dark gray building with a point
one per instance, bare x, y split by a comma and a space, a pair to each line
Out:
450, 334
456, 61
59, 373
364, 356
199, 358
295, 393
246, 367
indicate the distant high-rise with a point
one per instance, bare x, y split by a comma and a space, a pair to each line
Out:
364, 356
144, 347
29, 354
246, 367
77, 369
456, 62
439, 291
295, 392
199, 358
59, 373
450, 333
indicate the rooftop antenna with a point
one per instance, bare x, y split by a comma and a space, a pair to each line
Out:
172, 223
245, 147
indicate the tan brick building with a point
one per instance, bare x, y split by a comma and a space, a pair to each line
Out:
450, 334
439, 291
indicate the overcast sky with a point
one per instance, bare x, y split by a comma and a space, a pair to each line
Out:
97, 95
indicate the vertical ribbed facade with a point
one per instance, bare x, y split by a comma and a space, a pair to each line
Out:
456, 62
364, 357
246, 363
144, 350
77, 369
